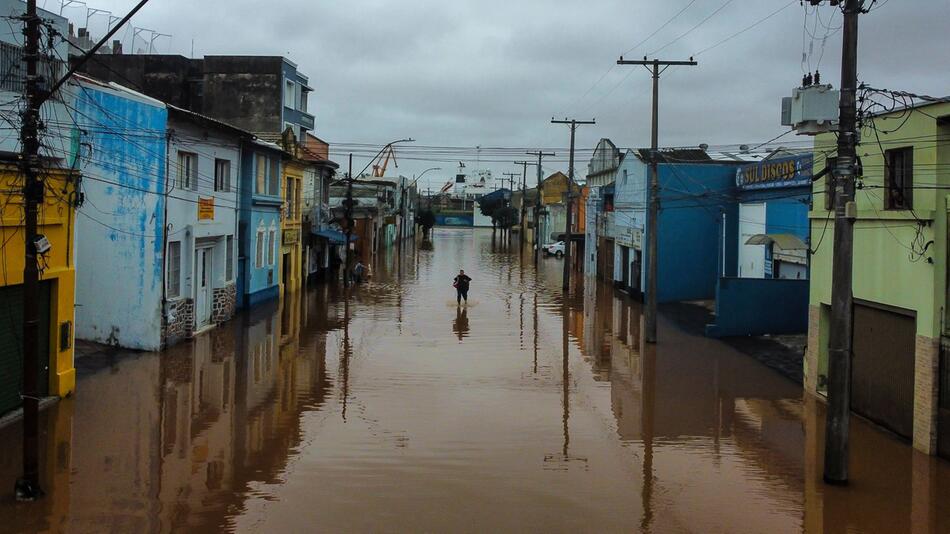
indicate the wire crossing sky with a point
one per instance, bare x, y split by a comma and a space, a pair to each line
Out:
493, 73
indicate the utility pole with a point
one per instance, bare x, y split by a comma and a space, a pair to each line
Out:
842, 304
569, 224
37, 91
511, 187
28, 486
349, 223
537, 204
524, 193
653, 66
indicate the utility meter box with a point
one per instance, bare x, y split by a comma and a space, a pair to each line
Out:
811, 110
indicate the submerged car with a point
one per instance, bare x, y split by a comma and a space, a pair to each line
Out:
554, 249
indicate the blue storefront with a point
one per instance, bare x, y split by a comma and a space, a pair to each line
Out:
764, 251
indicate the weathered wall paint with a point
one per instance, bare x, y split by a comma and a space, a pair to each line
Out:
119, 231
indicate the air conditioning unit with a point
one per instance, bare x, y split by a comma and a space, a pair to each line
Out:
811, 110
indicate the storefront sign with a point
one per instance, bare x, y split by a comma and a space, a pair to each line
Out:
782, 172
629, 237
290, 236
205, 209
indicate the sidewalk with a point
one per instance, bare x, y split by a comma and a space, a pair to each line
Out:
783, 354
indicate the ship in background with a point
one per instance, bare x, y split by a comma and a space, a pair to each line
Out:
456, 204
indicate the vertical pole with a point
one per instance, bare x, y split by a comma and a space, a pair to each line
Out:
27, 487
524, 200
349, 224
839, 345
569, 200
652, 226
537, 215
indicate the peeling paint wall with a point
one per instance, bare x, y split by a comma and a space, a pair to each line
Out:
119, 246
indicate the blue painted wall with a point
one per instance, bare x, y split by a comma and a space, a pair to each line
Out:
692, 198
119, 230
257, 210
756, 306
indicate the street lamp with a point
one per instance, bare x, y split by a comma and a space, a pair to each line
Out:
423, 174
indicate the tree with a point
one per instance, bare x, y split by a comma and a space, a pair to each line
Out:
504, 217
426, 219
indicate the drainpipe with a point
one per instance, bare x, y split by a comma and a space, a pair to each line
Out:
165, 228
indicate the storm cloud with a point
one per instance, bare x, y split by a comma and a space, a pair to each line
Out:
493, 73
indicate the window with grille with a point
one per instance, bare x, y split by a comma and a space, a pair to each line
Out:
188, 171
260, 249
272, 245
222, 175
899, 179
261, 187
174, 268
229, 262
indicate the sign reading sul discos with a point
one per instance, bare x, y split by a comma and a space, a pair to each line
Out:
781, 172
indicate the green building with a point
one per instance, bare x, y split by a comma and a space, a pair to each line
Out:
900, 374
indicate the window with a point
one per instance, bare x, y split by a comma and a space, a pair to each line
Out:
229, 261
830, 164
625, 177
188, 171
174, 268
260, 248
273, 183
222, 175
899, 179
290, 94
272, 245
260, 188
290, 195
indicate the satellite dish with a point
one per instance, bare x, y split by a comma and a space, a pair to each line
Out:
704, 147
744, 149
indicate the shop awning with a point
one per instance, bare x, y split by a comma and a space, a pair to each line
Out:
334, 237
782, 241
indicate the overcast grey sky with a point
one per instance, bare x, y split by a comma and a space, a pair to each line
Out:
492, 73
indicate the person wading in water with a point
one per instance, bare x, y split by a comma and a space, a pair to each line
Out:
461, 286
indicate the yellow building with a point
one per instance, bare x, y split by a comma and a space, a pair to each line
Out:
57, 285
290, 224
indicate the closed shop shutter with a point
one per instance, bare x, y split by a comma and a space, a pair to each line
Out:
11, 335
882, 374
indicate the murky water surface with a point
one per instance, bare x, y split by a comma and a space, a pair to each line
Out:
398, 411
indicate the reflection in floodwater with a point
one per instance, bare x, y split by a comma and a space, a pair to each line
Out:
367, 413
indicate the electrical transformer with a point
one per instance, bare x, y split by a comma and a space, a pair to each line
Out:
811, 110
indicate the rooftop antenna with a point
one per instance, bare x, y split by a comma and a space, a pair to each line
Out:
63, 4
135, 34
91, 12
156, 35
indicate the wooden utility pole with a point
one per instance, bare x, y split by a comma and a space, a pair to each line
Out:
654, 191
348, 218
524, 196
842, 301
37, 91
537, 204
569, 200
28, 486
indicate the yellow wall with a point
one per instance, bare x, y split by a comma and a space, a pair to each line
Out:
56, 222
291, 227
885, 268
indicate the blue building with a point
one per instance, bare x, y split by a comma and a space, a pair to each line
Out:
764, 250
259, 234
695, 190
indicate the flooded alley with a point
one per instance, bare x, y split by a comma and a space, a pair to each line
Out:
395, 410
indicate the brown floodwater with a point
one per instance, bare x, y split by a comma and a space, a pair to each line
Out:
395, 410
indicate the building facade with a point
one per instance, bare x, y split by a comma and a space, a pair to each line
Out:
156, 247
259, 222
57, 222
900, 370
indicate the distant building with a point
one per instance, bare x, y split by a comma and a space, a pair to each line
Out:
254, 93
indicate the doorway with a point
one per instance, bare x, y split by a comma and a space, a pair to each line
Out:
625, 267
203, 297
751, 257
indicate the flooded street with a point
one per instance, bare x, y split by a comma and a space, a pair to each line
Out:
398, 411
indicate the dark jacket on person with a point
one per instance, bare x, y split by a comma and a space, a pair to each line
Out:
462, 281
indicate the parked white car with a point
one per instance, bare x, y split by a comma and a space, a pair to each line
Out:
554, 249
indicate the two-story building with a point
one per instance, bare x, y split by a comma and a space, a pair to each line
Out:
261, 204
900, 376
155, 248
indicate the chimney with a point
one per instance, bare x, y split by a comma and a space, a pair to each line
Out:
71, 29
117, 47
83, 32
